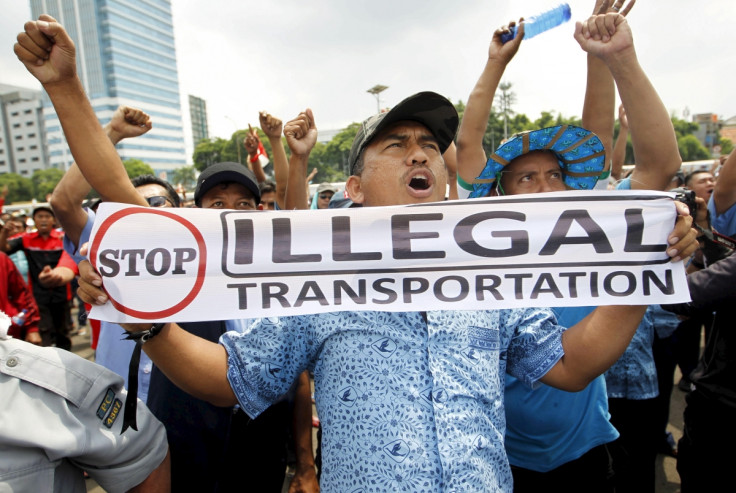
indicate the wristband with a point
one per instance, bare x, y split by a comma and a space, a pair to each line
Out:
464, 184
131, 401
145, 335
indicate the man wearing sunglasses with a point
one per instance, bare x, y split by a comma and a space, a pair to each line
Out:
322, 196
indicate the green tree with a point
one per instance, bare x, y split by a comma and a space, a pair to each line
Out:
691, 149
331, 159
20, 188
683, 127
460, 108
726, 146
219, 150
184, 176
136, 167
44, 181
208, 152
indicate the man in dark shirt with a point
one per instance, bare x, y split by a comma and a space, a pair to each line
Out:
704, 463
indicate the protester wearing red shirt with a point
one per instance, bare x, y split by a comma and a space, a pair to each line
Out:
16, 297
50, 270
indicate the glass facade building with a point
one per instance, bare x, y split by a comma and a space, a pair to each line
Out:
125, 55
198, 115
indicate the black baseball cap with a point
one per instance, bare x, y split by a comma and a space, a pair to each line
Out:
43, 208
430, 109
226, 172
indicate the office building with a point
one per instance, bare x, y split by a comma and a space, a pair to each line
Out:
22, 149
198, 115
125, 55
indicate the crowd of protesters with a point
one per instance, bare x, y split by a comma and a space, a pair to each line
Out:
575, 399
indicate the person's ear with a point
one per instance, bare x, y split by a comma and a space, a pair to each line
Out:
355, 190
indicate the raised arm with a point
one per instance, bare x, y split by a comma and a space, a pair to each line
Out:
608, 37
252, 144
600, 90
48, 53
471, 158
301, 135
619, 149
596, 342
194, 364
724, 193
69, 193
273, 128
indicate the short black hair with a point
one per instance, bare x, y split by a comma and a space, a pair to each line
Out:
689, 176
267, 186
155, 180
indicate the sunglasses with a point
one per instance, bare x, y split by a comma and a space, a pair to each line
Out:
324, 196
157, 201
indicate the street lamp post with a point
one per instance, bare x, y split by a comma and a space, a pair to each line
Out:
376, 91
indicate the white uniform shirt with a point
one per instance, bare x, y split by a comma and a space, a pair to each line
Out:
61, 414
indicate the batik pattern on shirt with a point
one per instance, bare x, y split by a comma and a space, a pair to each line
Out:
406, 404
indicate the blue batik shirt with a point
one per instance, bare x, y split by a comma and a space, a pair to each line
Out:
634, 375
407, 403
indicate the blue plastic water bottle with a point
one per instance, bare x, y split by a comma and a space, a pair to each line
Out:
542, 22
20, 318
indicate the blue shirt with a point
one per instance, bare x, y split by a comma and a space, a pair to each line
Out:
723, 223
665, 323
548, 427
634, 375
407, 403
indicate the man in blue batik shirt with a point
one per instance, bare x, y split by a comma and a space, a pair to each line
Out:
408, 401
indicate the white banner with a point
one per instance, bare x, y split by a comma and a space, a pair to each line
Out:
557, 249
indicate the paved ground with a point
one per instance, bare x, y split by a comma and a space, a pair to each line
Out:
668, 481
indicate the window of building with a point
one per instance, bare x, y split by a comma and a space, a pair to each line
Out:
22, 160
20, 149
18, 137
16, 125
34, 159
24, 172
29, 124
28, 112
33, 147
15, 113
30, 136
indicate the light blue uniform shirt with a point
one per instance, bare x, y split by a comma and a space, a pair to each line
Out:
723, 223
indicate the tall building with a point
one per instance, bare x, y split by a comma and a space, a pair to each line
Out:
198, 114
22, 147
125, 55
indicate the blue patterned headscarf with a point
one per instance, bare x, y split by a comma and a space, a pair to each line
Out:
580, 153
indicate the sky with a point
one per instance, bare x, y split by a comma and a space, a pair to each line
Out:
283, 56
